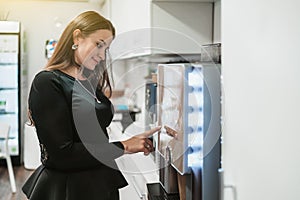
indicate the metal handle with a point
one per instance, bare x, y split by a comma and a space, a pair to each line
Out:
226, 186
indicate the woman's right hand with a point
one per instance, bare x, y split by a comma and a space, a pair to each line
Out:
140, 142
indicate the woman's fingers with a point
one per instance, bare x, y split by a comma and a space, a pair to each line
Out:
148, 144
140, 143
148, 147
150, 132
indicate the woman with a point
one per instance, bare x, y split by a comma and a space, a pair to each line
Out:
68, 107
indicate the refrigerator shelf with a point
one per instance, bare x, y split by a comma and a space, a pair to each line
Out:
8, 113
8, 64
8, 88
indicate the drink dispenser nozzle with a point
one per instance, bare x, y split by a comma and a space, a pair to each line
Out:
168, 155
168, 174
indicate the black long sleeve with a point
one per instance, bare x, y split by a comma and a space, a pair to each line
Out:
64, 122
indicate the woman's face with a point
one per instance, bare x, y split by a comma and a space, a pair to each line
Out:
91, 50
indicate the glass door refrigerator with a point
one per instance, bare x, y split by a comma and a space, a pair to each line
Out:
10, 91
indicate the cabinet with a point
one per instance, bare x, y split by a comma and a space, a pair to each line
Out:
160, 27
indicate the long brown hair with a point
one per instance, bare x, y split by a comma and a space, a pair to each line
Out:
63, 56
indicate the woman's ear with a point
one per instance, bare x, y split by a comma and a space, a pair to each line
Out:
76, 35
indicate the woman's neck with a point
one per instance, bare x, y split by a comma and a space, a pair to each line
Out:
73, 71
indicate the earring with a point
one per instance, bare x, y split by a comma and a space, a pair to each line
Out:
74, 46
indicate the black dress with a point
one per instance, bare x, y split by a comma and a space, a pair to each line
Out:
77, 158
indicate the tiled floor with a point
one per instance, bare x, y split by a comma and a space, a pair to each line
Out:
21, 175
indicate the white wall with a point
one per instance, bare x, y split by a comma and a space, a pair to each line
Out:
39, 20
217, 22
262, 93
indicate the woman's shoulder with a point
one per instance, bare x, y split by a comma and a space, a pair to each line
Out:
50, 75
57, 79
46, 77
44, 74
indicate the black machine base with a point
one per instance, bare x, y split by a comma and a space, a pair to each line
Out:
157, 192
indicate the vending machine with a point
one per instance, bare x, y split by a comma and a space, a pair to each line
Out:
189, 111
10, 85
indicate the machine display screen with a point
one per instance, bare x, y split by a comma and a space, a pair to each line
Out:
180, 111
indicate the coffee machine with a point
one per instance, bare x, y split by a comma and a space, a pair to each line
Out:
188, 145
